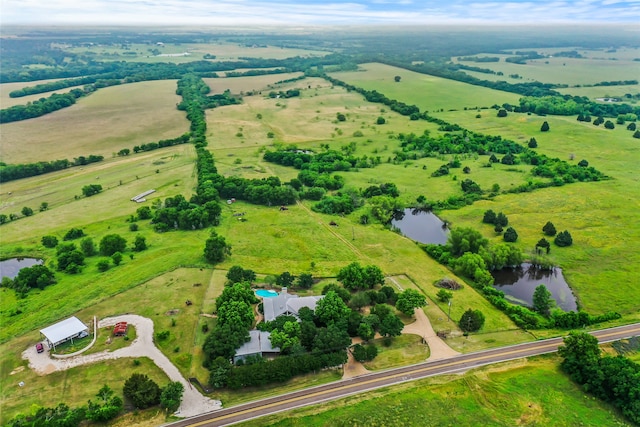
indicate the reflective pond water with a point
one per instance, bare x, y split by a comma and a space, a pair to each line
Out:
518, 284
421, 226
10, 267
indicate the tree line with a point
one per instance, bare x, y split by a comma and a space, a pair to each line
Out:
25, 170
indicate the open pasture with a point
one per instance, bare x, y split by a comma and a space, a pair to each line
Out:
602, 217
524, 392
596, 92
169, 171
102, 123
595, 67
239, 85
428, 92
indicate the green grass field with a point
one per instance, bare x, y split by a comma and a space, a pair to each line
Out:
429, 93
602, 217
528, 392
102, 123
595, 67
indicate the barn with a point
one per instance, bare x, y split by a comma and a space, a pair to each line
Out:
64, 331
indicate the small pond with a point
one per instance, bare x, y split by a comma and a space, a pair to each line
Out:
421, 226
518, 284
10, 267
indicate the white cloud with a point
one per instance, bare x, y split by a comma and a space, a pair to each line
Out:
290, 12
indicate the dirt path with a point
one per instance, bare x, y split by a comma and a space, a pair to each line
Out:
193, 403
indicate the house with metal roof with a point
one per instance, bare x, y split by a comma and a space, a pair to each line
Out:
258, 345
287, 304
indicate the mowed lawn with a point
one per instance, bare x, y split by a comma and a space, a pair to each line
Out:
524, 392
602, 217
428, 92
102, 123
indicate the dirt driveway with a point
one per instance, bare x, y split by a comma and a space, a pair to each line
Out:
193, 403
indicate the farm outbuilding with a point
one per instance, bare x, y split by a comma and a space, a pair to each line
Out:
65, 330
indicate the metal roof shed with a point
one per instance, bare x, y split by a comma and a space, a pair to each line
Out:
65, 330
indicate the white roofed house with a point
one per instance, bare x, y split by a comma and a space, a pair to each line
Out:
65, 330
259, 344
287, 304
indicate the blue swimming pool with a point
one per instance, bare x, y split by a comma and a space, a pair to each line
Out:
264, 293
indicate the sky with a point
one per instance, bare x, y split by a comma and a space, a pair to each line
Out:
314, 12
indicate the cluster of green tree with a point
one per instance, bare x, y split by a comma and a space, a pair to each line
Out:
328, 161
291, 93
499, 220
235, 317
237, 274
51, 86
144, 393
567, 105
356, 277
91, 190
38, 276
476, 69
182, 139
177, 213
615, 380
288, 280
523, 56
479, 58
216, 248
469, 255
568, 54
342, 202
616, 83
255, 72
471, 321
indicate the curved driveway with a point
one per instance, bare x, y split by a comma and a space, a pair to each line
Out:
193, 403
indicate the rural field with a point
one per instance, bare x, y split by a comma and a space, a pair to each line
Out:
157, 282
102, 123
594, 67
524, 392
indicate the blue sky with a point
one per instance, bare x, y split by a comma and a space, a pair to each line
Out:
316, 12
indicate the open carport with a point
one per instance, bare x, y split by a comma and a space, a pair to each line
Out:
63, 331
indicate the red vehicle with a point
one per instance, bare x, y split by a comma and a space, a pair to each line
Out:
39, 347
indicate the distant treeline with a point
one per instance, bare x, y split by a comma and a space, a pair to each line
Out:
479, 58
141, 71
13, 172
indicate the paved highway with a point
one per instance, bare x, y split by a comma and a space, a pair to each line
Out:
336, 390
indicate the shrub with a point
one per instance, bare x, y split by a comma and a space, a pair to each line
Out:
563, 239
49, 241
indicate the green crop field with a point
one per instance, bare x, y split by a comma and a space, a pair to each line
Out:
102, 123
526, 392
429, 93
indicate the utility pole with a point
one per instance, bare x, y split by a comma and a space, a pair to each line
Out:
449, 314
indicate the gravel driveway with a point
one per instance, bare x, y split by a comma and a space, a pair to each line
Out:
193, 403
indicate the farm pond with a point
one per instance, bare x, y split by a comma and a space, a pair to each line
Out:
420, 225
10, 267
519, 283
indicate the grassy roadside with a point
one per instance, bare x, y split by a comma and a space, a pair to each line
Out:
525, 392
